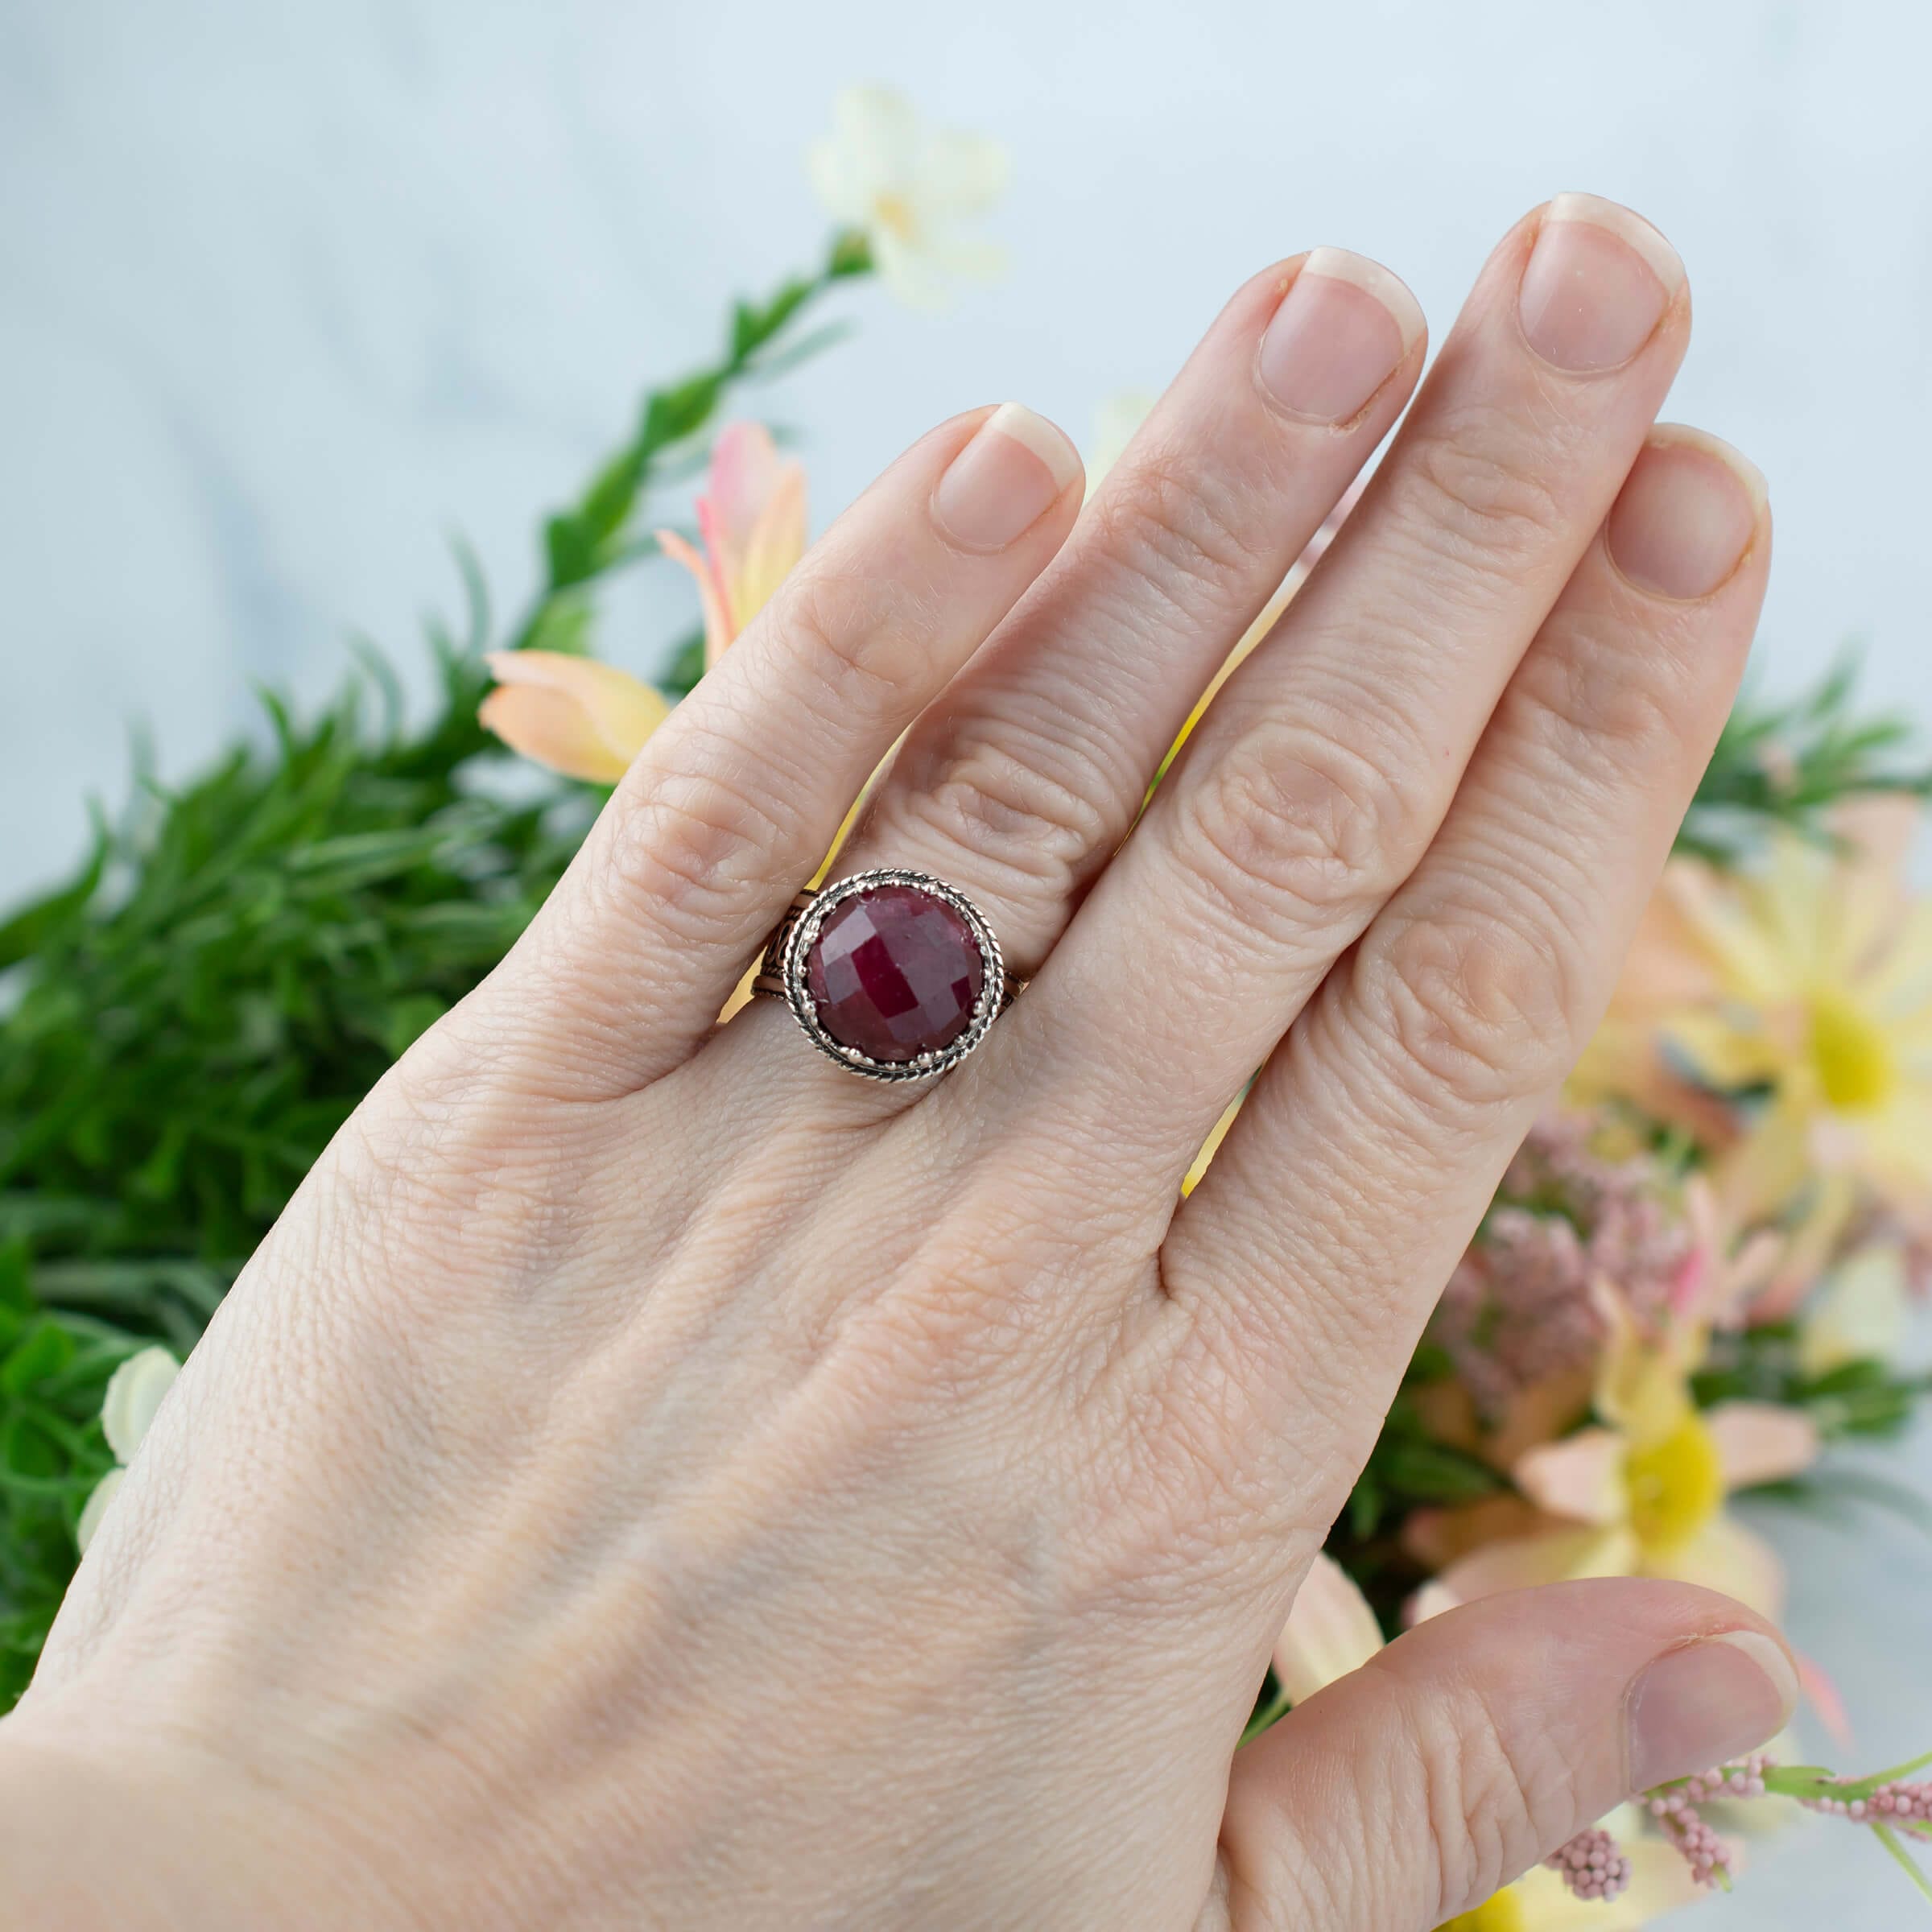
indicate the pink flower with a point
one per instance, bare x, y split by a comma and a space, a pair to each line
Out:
752, 523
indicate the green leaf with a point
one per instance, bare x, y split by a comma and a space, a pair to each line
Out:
34, 925
564, 624
41, 1352
686, 666
570, 548
30, 1453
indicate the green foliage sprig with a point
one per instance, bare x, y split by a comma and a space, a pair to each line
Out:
1787, 765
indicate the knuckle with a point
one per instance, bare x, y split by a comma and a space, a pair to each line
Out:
1171, 523
1601, 705
1292, 826
1041, 811
1492, 1805
1478, 496
856, 638
1475, 1008
686, 840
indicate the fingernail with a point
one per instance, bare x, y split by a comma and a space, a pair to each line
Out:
1711, 1701
1340, 332
1598, 283
997, 486
1685, 515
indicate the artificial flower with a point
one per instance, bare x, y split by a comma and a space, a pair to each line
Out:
751, 521
1641, 1493
132, 1398
911, 190
587, 720
584, 718
1115, 421
1332, 1631
1785, 1018
1858, 1313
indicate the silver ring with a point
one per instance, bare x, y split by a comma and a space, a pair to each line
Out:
903, 985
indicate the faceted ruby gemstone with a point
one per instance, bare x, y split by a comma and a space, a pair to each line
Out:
894, 971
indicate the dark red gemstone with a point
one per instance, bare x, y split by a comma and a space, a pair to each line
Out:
894, 971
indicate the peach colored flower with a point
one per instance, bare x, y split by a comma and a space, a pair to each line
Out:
751, 521
587, 720
1330, 1631
584, 718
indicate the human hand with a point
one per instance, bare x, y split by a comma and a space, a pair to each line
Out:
651, 1476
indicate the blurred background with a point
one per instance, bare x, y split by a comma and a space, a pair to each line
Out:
290, 296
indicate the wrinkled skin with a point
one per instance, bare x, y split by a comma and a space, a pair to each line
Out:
650, 1477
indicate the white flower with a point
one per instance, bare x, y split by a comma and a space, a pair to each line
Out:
908, 189
134, 1391
1115, 422
1861, 1313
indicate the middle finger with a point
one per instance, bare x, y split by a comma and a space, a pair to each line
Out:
1019, 783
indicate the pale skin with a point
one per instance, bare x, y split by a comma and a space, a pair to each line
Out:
652, 1477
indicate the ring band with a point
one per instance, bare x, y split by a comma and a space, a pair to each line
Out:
894, 975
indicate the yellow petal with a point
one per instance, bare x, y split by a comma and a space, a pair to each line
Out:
1192, 1178
1726, 1556
1724, 1053
1329, 1632
1555, 1556
1895, 1148
580, 717
742, 995
135, 1392
1641, 1388
1660, 1882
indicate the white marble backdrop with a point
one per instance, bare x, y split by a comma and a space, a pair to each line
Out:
290, 292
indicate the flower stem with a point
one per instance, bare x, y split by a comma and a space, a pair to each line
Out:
1887, 1837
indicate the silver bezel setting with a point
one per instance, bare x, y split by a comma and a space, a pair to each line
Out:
803, 936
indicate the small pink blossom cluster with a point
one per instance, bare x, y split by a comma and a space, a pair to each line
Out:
1907, 1805
1520, 1306
1678, 1817
1592, 1865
